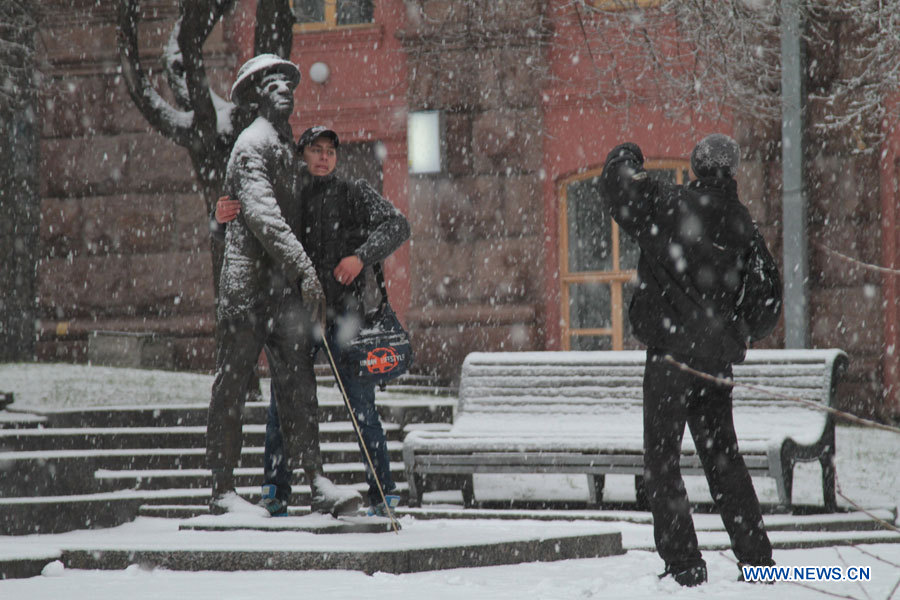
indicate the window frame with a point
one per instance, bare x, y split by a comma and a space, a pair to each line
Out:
623, 5
616, 278
330, 20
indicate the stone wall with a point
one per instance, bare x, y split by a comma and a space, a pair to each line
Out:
476, 251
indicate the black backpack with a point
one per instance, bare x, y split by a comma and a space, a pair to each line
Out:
759, 306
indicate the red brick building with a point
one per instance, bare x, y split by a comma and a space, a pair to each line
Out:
509, 249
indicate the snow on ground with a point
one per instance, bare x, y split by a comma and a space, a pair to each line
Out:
43, 386
631, 576
868, 471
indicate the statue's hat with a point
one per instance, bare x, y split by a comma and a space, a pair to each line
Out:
254, 69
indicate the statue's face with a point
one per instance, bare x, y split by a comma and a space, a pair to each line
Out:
276, 96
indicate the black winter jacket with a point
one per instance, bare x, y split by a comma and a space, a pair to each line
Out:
695, 242
338, 218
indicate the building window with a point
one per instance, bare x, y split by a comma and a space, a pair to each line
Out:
329, 14
598, 263
423, 142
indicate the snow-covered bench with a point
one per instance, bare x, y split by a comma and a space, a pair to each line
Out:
580, 412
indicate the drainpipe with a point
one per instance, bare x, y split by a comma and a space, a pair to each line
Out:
796, 334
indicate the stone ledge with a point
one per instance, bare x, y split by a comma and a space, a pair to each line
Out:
408, 560
24, 567
45, 514
309, 523
131, 349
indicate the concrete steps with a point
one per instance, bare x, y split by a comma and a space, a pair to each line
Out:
82, 471
74, 468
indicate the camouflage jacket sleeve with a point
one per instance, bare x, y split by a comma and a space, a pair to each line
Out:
387, 226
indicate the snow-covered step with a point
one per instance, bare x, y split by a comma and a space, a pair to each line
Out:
56, 472
155, 479
153, 437
843, 521
409, 406
187, 503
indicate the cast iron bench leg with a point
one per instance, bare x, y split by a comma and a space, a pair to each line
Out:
416, 489
786, 490
828, 490
468, 491
640, 493
595, 488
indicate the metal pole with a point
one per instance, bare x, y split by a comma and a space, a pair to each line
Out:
796, 268
362, 442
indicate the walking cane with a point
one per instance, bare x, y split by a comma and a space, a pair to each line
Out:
362, 442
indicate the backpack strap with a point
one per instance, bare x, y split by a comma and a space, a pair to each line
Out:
379, 278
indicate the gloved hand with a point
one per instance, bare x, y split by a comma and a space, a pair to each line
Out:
626, 151
311, 290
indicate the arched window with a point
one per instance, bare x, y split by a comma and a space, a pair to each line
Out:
598, 263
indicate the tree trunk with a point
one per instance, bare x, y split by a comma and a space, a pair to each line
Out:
19, 199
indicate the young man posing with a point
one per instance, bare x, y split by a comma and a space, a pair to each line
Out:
707, 286
344, 226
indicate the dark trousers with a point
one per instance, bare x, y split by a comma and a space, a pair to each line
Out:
285, 334
673, 397
362, 400
275, 471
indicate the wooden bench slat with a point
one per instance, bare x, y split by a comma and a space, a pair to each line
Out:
560, 461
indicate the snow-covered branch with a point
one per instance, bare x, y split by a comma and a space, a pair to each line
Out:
727, 52
173, 123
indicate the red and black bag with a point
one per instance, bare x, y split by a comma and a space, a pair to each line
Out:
381, 350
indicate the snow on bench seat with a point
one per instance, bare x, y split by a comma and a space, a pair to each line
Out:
581, 412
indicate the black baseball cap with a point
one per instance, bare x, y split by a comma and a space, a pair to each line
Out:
314, 133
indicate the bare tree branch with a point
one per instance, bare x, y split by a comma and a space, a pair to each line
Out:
202, 122
197, 21
274, 28
173, 123
734, 58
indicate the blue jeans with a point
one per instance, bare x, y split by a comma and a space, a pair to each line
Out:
362, 399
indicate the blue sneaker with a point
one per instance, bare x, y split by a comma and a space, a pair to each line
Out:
272, 503
384, 510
